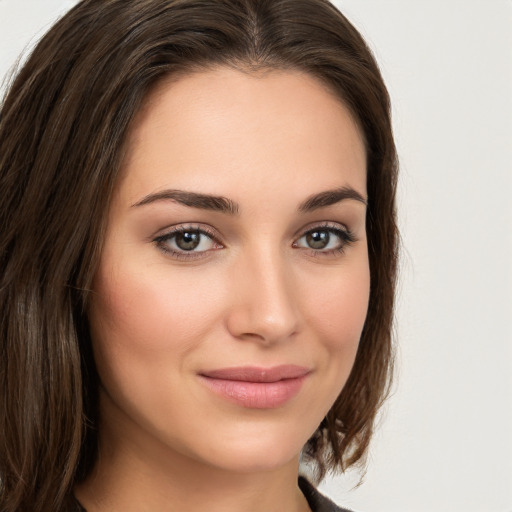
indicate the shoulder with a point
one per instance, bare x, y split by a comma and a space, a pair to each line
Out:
317, 501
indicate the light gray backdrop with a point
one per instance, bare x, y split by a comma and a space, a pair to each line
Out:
445, 439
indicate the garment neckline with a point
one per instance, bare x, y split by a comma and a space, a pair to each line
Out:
317, 502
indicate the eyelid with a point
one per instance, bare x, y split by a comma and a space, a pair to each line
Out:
172, 231
327, 225
192, 226
340, 230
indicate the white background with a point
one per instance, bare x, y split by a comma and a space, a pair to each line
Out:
445, 441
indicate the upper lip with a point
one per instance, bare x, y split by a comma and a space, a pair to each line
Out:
258, 374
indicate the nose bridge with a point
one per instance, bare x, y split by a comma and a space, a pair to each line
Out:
266, 307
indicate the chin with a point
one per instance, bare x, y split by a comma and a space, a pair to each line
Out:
253, 449
257, 459
242, 447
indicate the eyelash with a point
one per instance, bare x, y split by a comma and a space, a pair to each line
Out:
162, 240
346, 237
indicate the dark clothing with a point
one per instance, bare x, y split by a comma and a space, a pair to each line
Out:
317, 502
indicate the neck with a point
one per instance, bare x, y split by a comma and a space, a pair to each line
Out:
122, 485
140, 477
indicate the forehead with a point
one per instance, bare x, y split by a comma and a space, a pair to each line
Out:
223, 127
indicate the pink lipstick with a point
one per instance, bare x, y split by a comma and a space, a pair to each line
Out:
257, 388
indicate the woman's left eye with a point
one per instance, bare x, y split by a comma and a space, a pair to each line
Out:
325, 239
183, 241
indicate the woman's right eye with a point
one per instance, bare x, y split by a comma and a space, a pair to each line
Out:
187, 242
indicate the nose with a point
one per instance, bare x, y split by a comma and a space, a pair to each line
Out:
264, 306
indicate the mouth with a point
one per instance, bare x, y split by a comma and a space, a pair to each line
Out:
255, 387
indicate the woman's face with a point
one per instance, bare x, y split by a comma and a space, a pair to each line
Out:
233, 283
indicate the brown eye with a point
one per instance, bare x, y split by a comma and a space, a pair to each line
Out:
325, 240
318, 239
188, 240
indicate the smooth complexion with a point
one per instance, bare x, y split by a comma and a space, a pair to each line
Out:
225, 328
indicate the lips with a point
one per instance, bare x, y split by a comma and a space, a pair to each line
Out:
255, 387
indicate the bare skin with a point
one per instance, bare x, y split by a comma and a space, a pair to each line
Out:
268, 277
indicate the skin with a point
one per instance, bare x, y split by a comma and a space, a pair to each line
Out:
256, 294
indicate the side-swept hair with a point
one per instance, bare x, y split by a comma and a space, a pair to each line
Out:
63, 125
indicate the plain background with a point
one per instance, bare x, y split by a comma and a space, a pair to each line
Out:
445, 440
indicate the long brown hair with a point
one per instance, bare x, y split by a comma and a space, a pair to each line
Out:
63, 125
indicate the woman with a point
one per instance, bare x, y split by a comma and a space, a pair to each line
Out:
198, 257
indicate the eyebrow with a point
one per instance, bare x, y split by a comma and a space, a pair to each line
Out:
224, 205
192, 199
330, 197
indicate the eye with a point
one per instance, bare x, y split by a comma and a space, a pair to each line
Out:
325, 239
187, 242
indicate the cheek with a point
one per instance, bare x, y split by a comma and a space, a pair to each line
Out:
145, 310
337, 312
335, 304
144, 324
338, 308
146, 321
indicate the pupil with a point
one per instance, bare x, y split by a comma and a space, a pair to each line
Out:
187, 240
318, 239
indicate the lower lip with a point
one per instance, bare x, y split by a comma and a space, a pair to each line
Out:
256, 395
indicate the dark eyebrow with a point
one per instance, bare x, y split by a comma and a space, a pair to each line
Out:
330, 197
225, 205
192, 199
